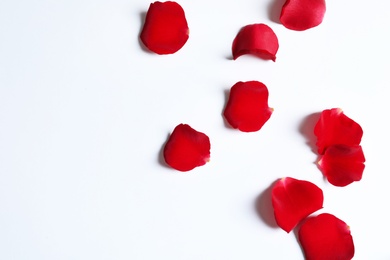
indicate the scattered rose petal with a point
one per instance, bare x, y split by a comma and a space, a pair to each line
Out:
342, 164
334, 127
247, 108
186, 148
293, 200
300, 15
165, 29
326, 237
256, 39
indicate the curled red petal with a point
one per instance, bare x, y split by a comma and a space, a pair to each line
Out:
342, 164
326, 237
293, 200
165, 30
247, 108
334, 127
186, 148
300, 15
256, 39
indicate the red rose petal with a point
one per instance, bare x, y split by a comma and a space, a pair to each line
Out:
186, 148
326, 237
334, 127
256, 39
247, 108
165, 30
301, 15
293, 200
342, 164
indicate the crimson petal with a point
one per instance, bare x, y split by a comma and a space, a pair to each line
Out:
326, 237
293, 200
342, 164
247, 108
300, 15
256, 39
334, 127
165, 29
186, 148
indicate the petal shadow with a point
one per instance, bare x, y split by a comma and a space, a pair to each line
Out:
160, 155
274, 9
306, 128
141, 44
264, 209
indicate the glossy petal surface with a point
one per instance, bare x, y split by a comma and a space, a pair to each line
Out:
256, 39
186, 148
334, 127
342, 164
165, 29
293, 200
300, 15
247, 108
326, 237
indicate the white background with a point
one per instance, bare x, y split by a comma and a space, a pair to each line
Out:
85, 111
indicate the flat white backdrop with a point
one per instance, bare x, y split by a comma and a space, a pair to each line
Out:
85, 111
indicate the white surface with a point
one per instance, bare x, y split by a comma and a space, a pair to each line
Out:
84, 112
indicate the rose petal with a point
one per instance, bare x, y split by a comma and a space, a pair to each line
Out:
334, 127
326, 237
247, 108
342, 164
186, 148
301, 15
256, 39
293, 200
165, 29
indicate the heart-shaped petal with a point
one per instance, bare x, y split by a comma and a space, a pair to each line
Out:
186, 148
165, 30
293, 200
342, 164
256, 39
334, 127
301, 15
326, 237
247, 108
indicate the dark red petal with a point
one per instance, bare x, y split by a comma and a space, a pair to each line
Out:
186, 148
247, 108
293, 200
334, 127
256, 39
326, 237
165, 30
342, 164
301, 15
